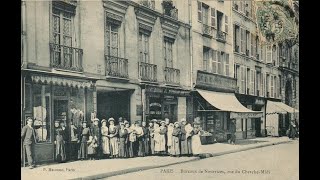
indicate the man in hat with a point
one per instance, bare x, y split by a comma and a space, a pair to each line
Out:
96, 133
140, 136
145, 139
233, 131
27, 136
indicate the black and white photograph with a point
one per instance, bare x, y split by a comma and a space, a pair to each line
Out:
159, 89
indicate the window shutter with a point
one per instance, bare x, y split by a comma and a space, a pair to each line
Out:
242, 47
226, 24
214, 61
252, 45
227, 64
269, 54
199, 11
213, 17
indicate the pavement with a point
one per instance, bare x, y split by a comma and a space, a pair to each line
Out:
97, 169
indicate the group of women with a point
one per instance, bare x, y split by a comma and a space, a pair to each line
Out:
126, 140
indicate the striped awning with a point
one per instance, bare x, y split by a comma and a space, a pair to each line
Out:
279, 108
61, 81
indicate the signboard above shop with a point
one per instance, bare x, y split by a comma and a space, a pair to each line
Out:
166, 91
216, 82
236, 115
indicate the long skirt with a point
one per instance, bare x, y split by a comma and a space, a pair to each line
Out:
175, 147
105, 145
60, 149
83, 151
114, 148
122, 147
196, 144
160, 144
151, 145
130, 149
186, 147
141, 147
146, 147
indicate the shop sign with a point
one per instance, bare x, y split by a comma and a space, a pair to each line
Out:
245, 115
175, 92
155, 104
216, 81
154, 90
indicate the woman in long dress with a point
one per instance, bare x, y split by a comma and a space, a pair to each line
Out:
105, 138
113, 135
84, 137
59, 142
169, 136
176, 133
151, 136
163, 132
123, 133
195, 140
157, 143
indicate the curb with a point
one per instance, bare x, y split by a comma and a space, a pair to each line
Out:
204, 156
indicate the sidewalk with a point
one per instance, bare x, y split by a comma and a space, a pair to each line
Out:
110, 167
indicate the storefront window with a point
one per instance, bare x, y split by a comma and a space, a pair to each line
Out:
41, 112
238, 124
249, 124
77, 105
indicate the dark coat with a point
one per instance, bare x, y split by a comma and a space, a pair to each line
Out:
232, 127
95, 131
27, 135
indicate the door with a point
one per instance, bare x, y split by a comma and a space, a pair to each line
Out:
258, 127
61, 113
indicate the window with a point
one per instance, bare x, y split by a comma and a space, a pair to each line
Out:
257, 47
205, 14
206, 59
279, 86
239, 123
267, 85
252, 78
199, 11
248, 82
274, 54
213, 17
269, 54
275, 82
226, 24
243, 80
272, 86
243, 41
236, 38
168, 57
258, 82
252, 44
219, 21
220, 65
214, 62
62, 27
144, 48
42, 112
112, 41
262, 84
248, 42
227, 64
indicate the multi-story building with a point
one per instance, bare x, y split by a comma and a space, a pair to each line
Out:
105, 58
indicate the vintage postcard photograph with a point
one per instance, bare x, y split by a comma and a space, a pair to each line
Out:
160, 89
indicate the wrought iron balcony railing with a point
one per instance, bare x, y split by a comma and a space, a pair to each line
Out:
206, 30
148, 3
221, 36
172, 76
116, 66
65, 57
147, 72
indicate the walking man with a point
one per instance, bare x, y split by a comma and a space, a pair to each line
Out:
233, 131
27, 136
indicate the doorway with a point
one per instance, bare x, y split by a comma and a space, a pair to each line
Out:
61, 114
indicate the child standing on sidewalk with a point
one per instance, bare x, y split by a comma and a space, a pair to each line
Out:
92, 148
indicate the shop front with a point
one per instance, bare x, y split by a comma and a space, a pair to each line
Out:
165, 102
278, 117
48, 98
254, 127
216, 109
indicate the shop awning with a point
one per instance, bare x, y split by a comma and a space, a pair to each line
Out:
228, 102
61, 81
279, 108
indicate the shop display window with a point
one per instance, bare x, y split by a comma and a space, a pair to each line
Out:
77, 105
239, 123
41, 112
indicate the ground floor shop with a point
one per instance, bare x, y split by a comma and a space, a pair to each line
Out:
166, 102
47, 98
216, 109
278, 118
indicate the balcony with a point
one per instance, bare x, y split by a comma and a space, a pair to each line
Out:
172, 76
71, 3
66, 58
218, 82
169, 9
236, 7
221, 36
116, 67
148, 3
147, 72
206, 31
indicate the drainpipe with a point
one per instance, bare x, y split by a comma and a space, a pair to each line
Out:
23, 34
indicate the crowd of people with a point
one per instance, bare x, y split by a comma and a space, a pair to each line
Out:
125, 140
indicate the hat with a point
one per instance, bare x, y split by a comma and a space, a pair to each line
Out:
176, 123
103, 120
110, 119
57, 121
162, 122
153, 121
84, 122
126, 122
29, 119
183, 119
95, 119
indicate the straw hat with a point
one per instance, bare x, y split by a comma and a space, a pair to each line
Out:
103, 120
110, 119
95, 119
